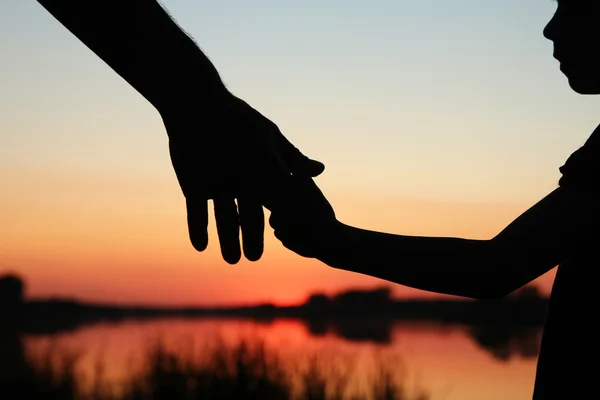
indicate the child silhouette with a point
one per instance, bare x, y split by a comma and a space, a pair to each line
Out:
561, 229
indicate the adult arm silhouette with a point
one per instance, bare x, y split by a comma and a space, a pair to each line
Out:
219, 145
538, 240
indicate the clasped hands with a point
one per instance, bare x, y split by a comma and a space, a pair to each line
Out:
226, 151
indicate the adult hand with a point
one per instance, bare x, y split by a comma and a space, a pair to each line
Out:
224, 151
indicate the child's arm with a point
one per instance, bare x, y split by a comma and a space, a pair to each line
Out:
537, 241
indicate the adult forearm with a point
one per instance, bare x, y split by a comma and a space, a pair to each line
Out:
461, 267
140, 42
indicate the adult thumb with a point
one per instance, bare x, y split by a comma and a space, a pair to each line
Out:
296, 162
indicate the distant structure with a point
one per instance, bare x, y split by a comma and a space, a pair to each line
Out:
13, 364
11, 300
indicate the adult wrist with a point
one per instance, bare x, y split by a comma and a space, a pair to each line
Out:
197, 99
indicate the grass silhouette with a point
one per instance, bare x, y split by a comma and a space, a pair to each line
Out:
247, 370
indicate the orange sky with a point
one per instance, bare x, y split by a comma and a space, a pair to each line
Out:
119, 240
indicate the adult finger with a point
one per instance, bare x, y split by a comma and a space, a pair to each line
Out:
252, 223
228, 229
197, 219
297, 163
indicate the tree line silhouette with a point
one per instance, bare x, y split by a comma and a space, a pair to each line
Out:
504, 328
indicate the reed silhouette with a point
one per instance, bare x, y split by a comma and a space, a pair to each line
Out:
243, 371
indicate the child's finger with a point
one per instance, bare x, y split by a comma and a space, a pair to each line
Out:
275, 220
290, 240
284, 220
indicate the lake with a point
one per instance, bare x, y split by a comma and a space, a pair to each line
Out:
450, 362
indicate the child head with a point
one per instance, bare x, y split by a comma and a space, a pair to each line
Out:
575, 31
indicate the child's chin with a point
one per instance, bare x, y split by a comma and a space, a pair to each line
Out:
584, 85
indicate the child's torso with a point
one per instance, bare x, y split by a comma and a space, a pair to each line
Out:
567, 366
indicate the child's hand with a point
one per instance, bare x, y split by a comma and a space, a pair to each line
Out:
303, 219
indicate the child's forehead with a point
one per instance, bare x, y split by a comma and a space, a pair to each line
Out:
575, 3
579, 9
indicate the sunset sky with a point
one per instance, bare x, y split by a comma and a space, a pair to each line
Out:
433, 117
